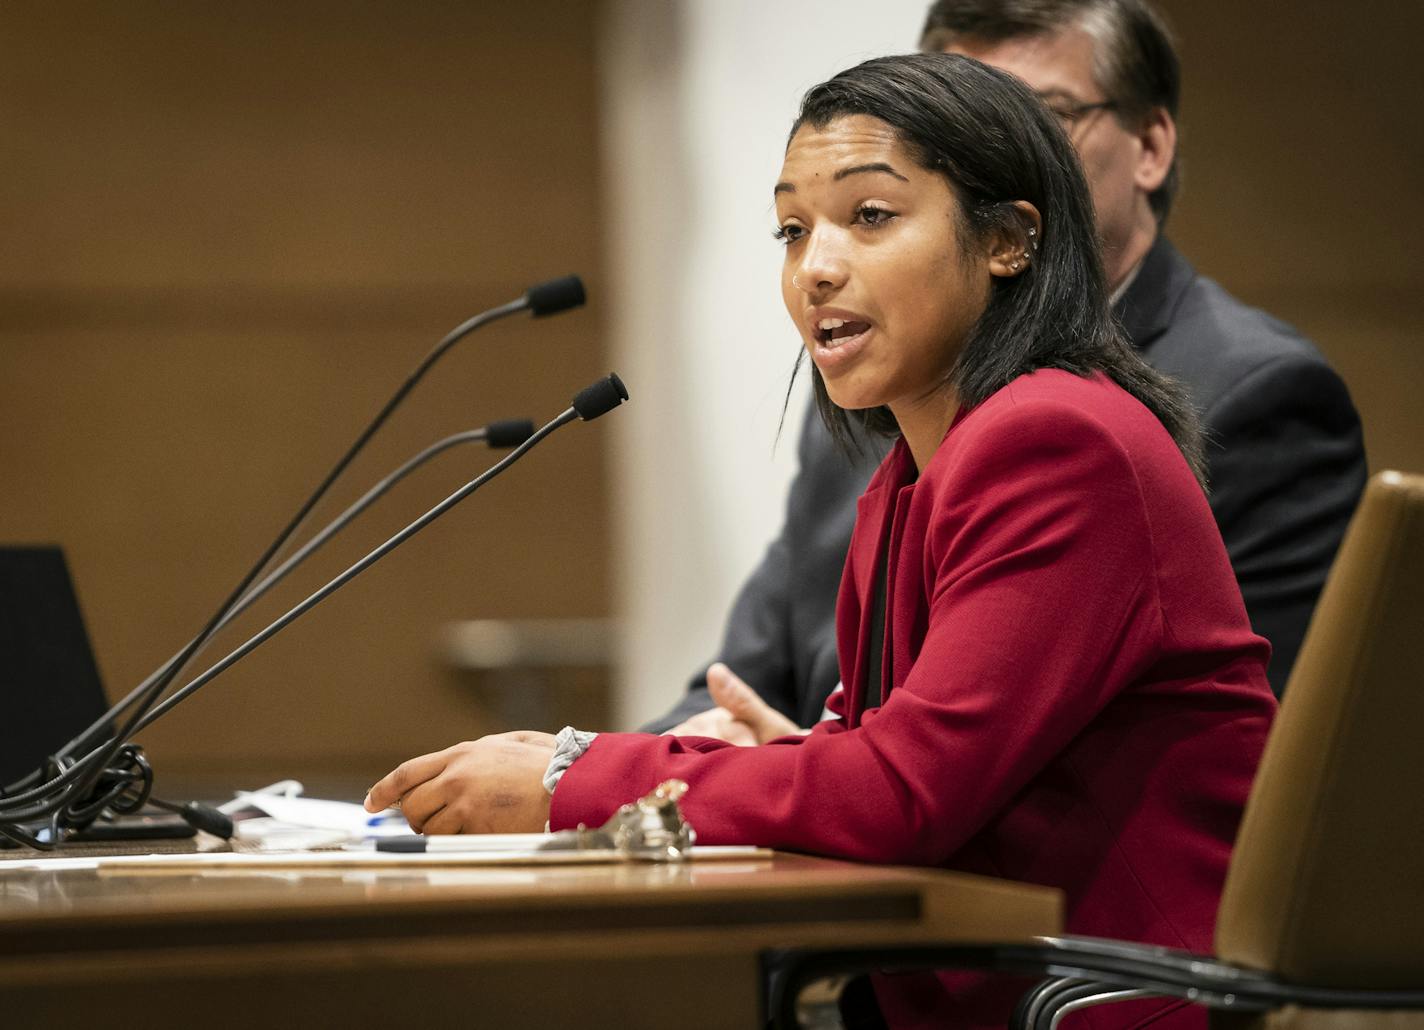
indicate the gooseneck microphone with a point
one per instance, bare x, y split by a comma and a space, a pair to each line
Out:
591, 402
114, 775
599, 398
555, 295
503, 434
506, 433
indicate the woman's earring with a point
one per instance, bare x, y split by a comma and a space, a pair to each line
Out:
1033, 237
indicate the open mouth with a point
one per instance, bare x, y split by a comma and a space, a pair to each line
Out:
835, 332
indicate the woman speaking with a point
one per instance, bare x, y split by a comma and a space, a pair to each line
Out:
1049, 672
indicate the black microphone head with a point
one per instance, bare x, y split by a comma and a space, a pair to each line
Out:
555, 295
509, 432
600, 398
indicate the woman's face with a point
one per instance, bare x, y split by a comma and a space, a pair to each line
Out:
874, 277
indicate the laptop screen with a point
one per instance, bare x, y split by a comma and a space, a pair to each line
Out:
49, 682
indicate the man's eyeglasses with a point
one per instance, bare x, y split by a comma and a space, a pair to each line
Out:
1070, 112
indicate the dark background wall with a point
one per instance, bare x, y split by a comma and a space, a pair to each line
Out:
228, 232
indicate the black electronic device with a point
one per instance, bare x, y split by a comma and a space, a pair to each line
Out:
50, 688
49, 683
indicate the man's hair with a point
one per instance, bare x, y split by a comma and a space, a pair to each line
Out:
1134, 58
995, 144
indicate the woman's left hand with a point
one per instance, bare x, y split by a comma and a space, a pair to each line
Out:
491, 785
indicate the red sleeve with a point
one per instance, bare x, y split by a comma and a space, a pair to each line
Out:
1043, 607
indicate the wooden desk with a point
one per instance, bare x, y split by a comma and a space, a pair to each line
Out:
615, 945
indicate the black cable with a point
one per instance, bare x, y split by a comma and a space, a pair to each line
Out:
199, 816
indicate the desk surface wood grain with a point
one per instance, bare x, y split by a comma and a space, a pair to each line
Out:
618, 943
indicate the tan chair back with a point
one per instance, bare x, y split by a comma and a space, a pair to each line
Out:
1326, 885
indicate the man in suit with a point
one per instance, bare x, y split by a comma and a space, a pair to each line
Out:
1285, 448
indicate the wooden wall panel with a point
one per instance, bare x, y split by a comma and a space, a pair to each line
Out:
1302, 171
228, 233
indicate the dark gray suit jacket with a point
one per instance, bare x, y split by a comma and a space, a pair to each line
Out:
1286, 463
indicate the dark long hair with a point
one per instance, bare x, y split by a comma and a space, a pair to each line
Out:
995, 144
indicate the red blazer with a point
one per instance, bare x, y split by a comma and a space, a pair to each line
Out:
1078, 699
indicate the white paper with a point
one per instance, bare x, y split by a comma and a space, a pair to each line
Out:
318, 814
